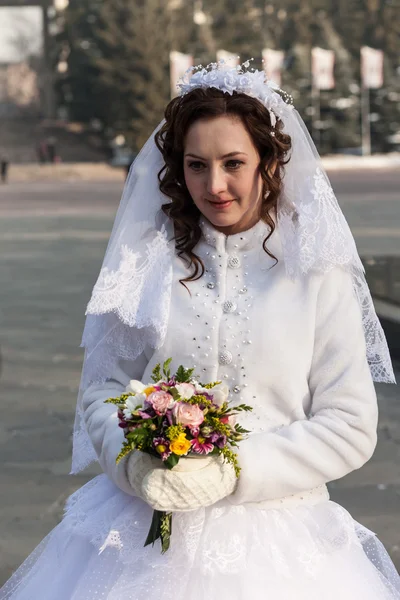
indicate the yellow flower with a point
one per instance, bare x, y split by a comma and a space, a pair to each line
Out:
149, 390
181, 445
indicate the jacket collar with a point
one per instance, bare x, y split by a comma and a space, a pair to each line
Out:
238, 242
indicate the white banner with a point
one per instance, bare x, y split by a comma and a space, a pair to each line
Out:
179, 63
231, 59
273, 63
322, 64
371, 67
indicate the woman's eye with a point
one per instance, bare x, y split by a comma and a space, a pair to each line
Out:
234, 164
195, 165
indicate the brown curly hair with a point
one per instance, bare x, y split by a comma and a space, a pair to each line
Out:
271, 144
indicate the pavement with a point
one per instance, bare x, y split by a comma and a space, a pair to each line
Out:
52, 239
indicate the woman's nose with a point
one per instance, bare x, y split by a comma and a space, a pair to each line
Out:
216, 182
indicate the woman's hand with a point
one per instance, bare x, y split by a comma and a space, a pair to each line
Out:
181, 490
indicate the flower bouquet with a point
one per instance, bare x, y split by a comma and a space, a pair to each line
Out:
177, 417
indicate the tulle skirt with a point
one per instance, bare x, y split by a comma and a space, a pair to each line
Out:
234, 552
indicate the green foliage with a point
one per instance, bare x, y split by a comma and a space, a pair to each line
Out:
174, 393
140, 437
209, 386
239, 429
219, 427
184, 375
156, 374
127, 448
165, 531
231, 457
161, 527
171, 461
174, 431
120, 399
242, 408
199, 399
166, 369
115, 401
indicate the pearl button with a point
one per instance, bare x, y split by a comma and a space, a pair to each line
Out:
225, 357
228, 306
233, 262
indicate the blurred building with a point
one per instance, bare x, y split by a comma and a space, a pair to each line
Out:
25, 33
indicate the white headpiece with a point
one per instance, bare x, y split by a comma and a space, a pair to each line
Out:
129, 306
240, 80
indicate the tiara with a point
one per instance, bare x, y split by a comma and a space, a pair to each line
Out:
239, 79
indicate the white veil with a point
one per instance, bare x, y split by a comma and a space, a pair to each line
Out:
129, 306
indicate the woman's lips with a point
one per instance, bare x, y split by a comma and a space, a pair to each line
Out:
220, 205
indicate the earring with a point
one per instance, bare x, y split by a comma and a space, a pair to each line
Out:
266, 194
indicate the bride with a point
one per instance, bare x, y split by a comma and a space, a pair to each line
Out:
230, 254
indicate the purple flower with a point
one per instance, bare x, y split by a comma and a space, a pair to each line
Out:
218, 439
221, 442
168, 416
144, 414
161, 446
201, 445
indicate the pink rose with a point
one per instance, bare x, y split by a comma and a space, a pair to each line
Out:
188, 414
160, 401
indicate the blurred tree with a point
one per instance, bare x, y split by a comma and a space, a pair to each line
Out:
78, 86
236, 26
134, 40
191, 30
118, 54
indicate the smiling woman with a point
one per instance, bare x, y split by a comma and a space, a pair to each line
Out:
297, 340
228, 192
223, 159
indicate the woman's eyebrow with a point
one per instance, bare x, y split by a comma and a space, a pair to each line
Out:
224, 156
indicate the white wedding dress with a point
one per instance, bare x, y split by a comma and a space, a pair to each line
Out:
278, 345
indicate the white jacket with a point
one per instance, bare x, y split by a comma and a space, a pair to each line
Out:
294, 350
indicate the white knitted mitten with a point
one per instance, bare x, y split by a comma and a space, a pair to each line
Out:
193, 483
138, 465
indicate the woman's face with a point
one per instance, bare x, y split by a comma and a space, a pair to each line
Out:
221, 168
